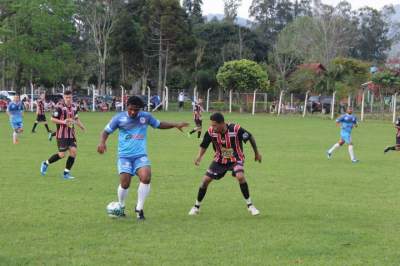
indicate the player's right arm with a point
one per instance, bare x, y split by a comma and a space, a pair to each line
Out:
203, 148
109, 129
55, 118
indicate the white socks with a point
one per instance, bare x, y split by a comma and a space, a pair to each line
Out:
15, 137
122, 194
334, 147
143, 192
351, 152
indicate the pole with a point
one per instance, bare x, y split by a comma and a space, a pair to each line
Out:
208, 99
394, 107
362, 105
166, 98
280, 102
148, 98
349, 101
63, 88
230, 101
305, 104
291, 101
254, 102
122, 98
31, 97
195, 94
333, 105
94, 99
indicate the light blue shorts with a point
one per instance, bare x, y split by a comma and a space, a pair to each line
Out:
16, 124
346, 138
131, 165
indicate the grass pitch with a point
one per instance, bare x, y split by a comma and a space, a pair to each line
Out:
313, 211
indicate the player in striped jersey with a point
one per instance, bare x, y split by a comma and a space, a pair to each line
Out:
397, 146
227, 140
197, 110
65, 116
40, 113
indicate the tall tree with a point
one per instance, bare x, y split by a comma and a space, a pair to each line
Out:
231, 9
100, 17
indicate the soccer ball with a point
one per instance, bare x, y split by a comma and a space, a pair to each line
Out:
114, 209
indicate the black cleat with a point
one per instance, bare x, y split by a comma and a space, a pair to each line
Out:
140, 215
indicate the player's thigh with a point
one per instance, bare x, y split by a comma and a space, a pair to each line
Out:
238, 172
217, 170
206, 181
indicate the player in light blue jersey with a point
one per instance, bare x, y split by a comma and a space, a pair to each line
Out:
346, 122
132, 150
15, 111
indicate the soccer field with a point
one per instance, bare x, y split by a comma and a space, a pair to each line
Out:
314, 211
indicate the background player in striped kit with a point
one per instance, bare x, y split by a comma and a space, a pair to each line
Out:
227, 140
40, 113
66, 116
197, 110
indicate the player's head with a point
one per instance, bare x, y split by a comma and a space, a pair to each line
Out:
134, 105
68, 97
349, 110
199, 101
42, 96
217, 122
16, 98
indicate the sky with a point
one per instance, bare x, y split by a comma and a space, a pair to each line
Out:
217, 6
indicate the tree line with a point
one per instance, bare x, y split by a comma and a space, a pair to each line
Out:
158, 43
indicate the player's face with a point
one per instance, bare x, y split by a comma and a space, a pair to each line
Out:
42, 96
133, 110
350, 111
16, 98
68, 99
218, 128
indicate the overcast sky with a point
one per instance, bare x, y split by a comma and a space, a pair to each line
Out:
217, 6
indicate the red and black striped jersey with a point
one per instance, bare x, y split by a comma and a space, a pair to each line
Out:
228, 146
397, 124
39, 107
64, 112
197, 110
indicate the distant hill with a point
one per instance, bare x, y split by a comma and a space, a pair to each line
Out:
239, 20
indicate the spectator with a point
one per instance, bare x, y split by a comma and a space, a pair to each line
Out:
181, 100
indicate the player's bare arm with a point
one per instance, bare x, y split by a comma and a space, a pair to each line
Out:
169, 125
102, 147
80, 124
202, 151
257, 155
62, 122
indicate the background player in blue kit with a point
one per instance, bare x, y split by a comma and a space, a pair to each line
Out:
132, 150
15, 110
346, 123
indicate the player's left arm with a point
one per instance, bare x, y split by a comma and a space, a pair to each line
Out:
169, 125
247, 136
79, 123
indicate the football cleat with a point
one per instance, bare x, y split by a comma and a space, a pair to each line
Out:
140, 215
43, 168
50, 137
329, 155
253, 210
68, 176
355, 161
194, 211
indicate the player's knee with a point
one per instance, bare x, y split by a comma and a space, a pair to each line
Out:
61, 154
341, 143
240, 178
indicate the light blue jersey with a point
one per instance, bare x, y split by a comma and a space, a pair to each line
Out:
347, 122
132, 133
15, 109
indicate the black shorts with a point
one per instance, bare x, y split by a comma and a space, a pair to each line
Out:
218, 170
398, 140
198, 122
41, 118
180, 104
64, 144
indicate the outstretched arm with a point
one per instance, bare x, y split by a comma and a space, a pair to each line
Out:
168, 125
257, 155
80, 124
102, 147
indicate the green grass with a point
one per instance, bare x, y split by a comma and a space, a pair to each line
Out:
314, 211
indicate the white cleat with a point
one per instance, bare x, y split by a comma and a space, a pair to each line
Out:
194, 211
253, 210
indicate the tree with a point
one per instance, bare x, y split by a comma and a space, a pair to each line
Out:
193, 10
243, 75
100, 17
305, 79
35, 36
230, 9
